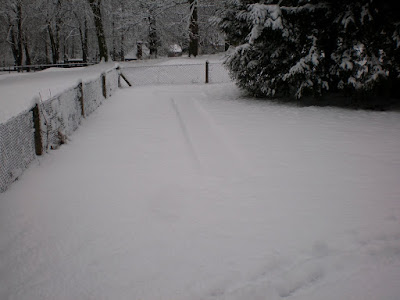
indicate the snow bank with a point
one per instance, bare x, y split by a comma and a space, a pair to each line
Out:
58, 117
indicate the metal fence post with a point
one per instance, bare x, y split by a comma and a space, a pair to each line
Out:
207, 71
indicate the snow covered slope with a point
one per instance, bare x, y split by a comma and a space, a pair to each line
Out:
193, 192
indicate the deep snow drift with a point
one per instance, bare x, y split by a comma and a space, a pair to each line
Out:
192, 192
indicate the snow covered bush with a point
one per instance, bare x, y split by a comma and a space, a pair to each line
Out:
308, 48
364, 59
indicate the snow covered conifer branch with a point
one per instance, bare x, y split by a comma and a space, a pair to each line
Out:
309, 48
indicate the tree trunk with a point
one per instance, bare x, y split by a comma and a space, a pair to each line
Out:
153, 36
122, 52
14, 47
83, 34
27, 55
14, 37
53, 29
122, 44
98, 22
114, 42
85, 43
193, 29
19, 33
46, 50
54, 44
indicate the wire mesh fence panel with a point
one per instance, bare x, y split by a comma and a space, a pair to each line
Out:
218, 73
57, 119
92, 95
111, 82
17, 148
168, 74
60, 117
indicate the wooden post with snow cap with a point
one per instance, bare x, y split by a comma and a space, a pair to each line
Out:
81, 101
118, 68
207, 71
38, 130
104, 84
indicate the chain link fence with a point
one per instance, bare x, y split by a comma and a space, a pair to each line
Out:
49, 124
60, 116
218, 73
177, 74
17, 147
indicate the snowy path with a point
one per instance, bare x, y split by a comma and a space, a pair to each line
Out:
190, 192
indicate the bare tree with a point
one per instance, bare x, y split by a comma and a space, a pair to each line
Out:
78, 22
48, 30
53, 20
12, 11
194, 28
95, 5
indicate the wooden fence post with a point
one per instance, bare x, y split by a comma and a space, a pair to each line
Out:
207, 71
81, 100
38, 131
119, 76
103, 76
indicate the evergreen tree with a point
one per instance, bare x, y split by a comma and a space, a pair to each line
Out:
308, 47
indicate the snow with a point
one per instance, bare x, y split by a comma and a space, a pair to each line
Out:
365, 13
348, 18
195, 192
175, 48
263, 16
19, 90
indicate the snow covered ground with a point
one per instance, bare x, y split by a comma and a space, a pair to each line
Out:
17, 90
194, 192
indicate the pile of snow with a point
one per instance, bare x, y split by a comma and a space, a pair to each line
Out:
193, 192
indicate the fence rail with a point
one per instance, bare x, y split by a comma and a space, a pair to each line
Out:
34, 68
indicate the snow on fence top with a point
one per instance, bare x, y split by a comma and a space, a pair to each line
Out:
48, 124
